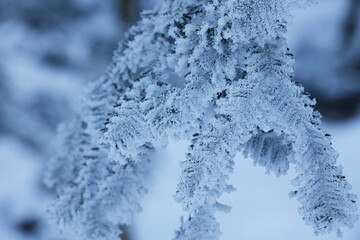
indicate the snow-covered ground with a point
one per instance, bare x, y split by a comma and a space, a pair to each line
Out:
23, 199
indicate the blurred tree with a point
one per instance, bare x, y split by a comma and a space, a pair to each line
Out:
351, 24
128, 10
53, 46
331, 69
49, 50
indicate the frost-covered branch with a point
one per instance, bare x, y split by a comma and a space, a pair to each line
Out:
218, 73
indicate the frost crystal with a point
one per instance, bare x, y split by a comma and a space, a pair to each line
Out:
218, 73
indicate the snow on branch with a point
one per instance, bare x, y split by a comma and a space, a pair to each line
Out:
218, 73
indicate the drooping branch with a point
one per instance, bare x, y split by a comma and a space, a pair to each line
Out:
218, 73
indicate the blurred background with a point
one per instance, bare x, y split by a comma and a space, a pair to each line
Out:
50, 49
